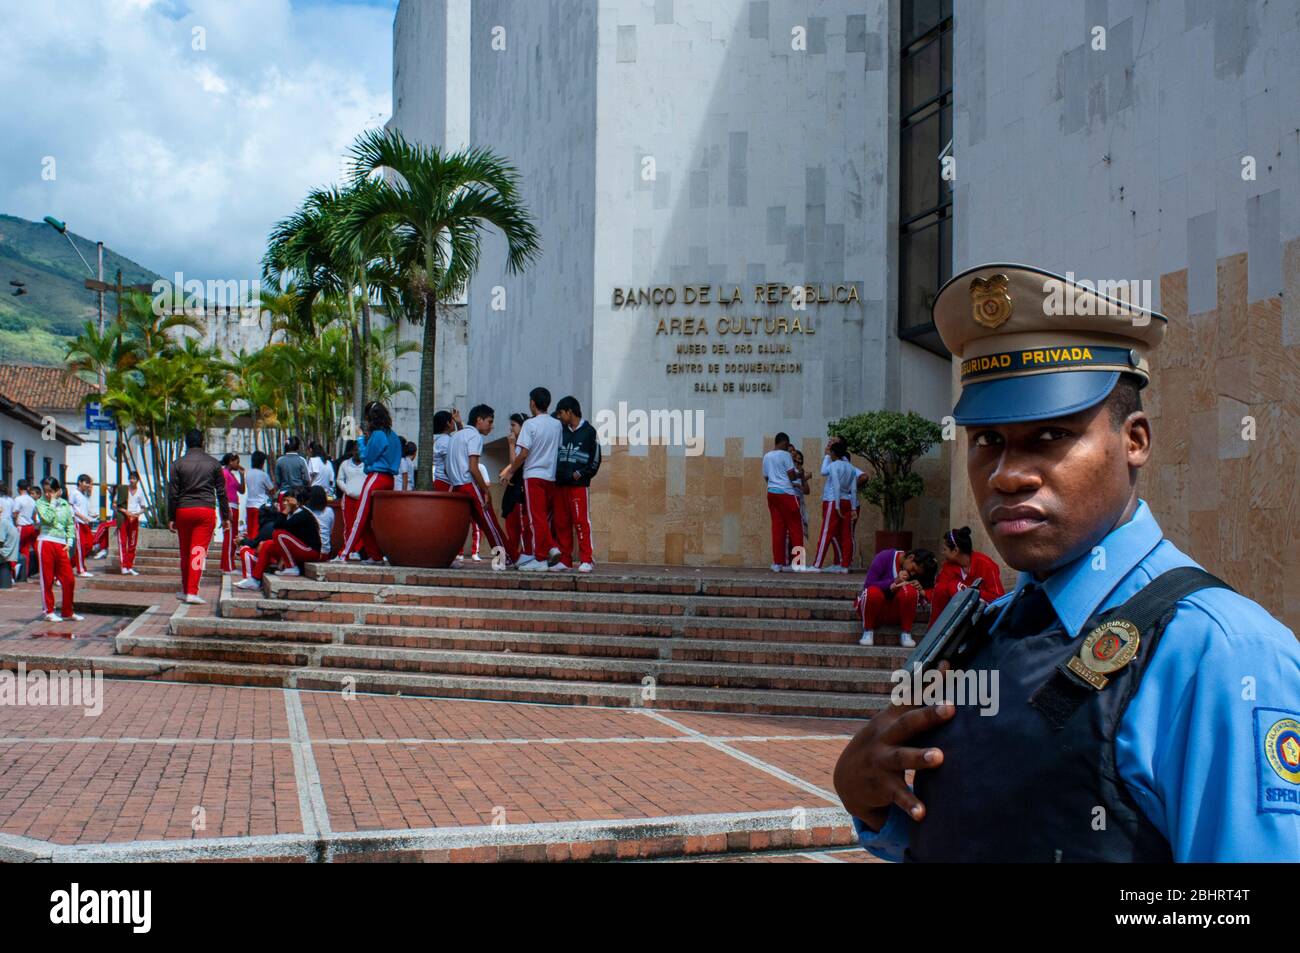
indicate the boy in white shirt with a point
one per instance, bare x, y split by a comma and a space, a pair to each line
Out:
128, 525
464, 475
25, 519
536, 450
782, 503
89, 541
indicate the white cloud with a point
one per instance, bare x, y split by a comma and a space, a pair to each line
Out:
177, 157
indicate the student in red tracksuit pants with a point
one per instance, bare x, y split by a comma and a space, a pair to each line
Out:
128, 525
196, 499
57, 528
381, 457
300, 540
463, 473
577, 463
783, 505
896, 583
233, 473
837, 508
513, 505
25, 520
536, 453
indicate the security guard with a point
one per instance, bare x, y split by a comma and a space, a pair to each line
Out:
1147, 711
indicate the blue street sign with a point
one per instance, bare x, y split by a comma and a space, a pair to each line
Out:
97, 418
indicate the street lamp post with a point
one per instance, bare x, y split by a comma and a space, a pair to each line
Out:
62, 228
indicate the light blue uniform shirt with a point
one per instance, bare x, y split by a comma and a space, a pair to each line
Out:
1210, 744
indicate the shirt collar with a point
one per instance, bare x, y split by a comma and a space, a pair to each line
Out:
1077, 590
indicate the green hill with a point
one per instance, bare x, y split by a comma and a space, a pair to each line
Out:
34, 326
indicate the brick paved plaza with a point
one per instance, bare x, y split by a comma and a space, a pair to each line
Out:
196, 758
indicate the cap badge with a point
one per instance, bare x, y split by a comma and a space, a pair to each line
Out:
990, 304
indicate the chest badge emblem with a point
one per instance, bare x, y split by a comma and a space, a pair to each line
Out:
1105, 650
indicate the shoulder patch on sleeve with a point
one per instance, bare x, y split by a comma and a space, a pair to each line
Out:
1277, 761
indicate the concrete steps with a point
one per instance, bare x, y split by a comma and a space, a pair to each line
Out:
671, 637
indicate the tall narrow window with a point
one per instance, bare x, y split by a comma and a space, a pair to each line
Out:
925, 140
7, 463
29, 464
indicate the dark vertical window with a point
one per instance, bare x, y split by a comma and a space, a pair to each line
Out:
29, 464
7, 463
924, 197
49, 467
63, 474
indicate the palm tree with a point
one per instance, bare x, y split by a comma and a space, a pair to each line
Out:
436, 205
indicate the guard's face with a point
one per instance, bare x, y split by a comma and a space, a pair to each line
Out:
1049, 490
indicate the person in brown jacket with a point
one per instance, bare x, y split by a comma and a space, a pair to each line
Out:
196, 495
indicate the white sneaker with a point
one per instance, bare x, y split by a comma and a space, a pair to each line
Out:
807, 569
85, 575
291, 571
73, 618
906, 640
777, 567
249, 583
196, 600
868, 638
53, 617
524, 561
134, 572
839, 569
553, 556
101, 554
559, 567
352, 558
586, 567
477, 558
535, 566
126, 572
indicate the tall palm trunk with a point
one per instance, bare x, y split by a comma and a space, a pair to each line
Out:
428, 393
365, 341
358, 378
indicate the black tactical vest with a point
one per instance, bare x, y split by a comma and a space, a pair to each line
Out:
1037, 782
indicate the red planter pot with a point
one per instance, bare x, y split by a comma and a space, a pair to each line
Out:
420, 528
336, 533
886, 540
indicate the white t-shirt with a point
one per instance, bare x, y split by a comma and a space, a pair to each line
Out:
857, 500
352, 478
777, 465
839, 480
135, 501
6, 507
80, 503
540, 436
24, 510
325, 521
405, 479
465, 443
257, 487
440, 445
321, 473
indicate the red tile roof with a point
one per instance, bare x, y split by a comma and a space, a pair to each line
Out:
42, 387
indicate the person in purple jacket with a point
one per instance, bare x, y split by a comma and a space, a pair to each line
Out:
896, 583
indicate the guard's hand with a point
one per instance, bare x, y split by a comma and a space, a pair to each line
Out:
172, 527
869, 775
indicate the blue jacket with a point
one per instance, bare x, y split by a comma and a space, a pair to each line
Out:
382, 453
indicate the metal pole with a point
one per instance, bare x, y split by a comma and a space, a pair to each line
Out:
103, 464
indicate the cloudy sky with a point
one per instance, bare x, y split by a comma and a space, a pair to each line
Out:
181, 130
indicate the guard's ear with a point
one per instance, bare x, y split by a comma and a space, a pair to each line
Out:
1137, 438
